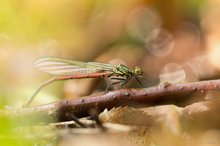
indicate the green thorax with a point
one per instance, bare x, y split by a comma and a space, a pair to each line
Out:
122, 70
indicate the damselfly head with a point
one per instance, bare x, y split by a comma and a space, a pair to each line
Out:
138, 71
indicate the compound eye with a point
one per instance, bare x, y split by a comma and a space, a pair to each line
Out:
138, 71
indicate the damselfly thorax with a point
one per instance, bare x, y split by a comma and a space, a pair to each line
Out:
64, 69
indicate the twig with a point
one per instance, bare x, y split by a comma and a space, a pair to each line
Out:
81, 107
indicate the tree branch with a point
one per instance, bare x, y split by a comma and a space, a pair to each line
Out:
60, 110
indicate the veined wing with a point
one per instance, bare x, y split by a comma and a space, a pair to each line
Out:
58, 66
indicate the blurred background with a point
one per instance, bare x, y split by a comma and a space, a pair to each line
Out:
172, 41
176, 41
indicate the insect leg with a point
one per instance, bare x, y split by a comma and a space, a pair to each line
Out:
108, 84
121, 80
139, 81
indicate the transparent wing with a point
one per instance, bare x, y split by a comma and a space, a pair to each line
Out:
58, 66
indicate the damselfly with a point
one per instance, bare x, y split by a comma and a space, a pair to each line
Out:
65, 69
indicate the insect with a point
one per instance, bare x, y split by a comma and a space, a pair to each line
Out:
65, 69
